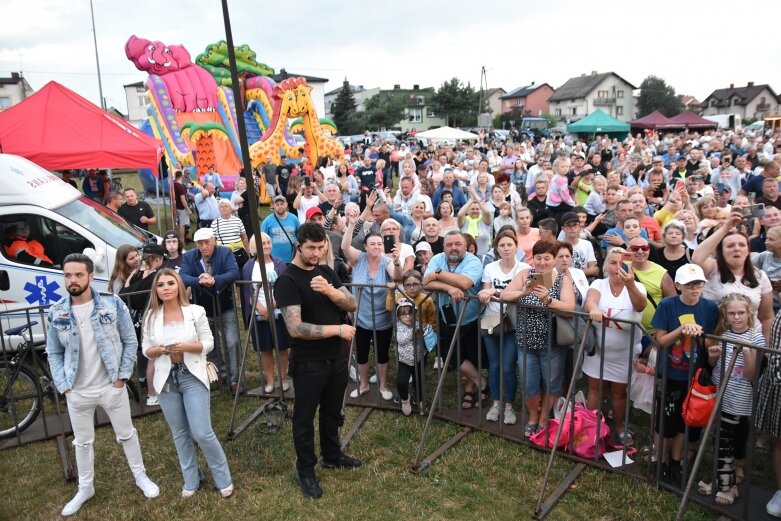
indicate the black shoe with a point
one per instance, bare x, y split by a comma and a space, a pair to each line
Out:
343, 462
310, 488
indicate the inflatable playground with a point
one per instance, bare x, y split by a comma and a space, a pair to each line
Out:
192, 110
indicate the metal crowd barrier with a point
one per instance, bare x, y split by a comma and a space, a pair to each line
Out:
438, 394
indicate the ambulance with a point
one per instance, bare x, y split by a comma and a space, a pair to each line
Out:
63, 221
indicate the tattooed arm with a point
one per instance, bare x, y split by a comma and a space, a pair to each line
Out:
343, 299
306, 331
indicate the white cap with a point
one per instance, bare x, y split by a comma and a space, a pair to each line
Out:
689, 273
203, 234
423, 246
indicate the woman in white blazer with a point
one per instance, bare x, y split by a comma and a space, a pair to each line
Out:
177, 336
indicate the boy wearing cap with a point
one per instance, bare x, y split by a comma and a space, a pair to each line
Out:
676, 322
583, 256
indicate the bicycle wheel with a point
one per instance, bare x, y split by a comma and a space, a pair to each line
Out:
20, 401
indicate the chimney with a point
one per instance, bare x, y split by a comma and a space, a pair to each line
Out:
751, 84
731, 85
416, 87
593, 73
532, 84
396, 87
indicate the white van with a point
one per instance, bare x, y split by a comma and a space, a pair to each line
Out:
64, 221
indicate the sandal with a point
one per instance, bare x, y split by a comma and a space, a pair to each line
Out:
726, 497
485, 394
704, 489
469, 400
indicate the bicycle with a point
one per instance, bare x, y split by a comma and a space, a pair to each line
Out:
24, 383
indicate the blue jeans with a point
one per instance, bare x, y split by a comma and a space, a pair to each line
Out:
508, 355
535, 372
185, 405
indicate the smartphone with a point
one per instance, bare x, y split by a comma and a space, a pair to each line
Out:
389, 242
449, 313
680, 185
720, 188
536, 279
627, 263
754, 210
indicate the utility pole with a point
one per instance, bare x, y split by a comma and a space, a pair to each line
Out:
97, 61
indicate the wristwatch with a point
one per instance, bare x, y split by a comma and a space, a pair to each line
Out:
548, 300
497, 292
437, 272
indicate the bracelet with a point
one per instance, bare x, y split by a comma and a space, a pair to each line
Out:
340, 330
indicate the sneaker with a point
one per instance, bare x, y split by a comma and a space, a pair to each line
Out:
406, 408
373, 379
147, 486
84, 495
363, 391
152, 401
509, 417
188, 493
227, 491
774, 505
386, 394
626, 436
493, 413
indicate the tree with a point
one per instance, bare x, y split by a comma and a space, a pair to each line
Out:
384, 111
343, 108
455, 102
655, 94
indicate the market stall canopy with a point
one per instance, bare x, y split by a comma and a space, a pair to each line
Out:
58, 129
446, 133
653, 120
689, 120
600, 123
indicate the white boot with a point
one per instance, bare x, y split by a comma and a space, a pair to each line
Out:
85, 463
136, 463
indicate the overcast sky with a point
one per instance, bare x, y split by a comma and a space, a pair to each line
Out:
694, 46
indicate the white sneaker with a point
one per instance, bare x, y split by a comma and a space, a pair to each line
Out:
355, 392
386, 394
147, 486
774, 505
509, 417
188, 493
353, 374
493, 413
152, 401
406, 407
81, 497
373, 379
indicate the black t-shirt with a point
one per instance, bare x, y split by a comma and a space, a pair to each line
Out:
326, 207
293, 288
366, 176
657, 256
179, 191
437, 246
283, 171
133, 214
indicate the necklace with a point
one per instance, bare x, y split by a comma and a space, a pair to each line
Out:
614, 292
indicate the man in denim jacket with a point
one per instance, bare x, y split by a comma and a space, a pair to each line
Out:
92, 347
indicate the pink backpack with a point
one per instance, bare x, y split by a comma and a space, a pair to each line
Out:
584, 439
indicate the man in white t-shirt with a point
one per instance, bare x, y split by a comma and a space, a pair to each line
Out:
92, 348
582, 250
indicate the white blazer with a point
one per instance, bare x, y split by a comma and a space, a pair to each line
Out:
196, 327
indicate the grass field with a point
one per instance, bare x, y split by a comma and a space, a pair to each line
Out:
483, 477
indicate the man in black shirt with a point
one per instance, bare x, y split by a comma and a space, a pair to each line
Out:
312, 300
367, 178
431, 236
536, 204
283, 175
136, 212
182, 208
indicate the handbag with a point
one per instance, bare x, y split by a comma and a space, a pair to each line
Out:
511, 312
700, 400
565, 331
212, 373
429, 338
239, 253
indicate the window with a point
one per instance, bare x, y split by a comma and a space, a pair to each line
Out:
619, 110
519, 102
421, 100
5, 102
46, 236
619, 94
430, 113
415, 115
558, 113
574, 111
141, 100
601, 94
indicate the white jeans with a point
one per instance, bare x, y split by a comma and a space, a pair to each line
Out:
81, 409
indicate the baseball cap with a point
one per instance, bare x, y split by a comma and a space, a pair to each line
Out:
203, 234
170, 234
279, 198
689, 273
312, 212
423, 246
569, 217
657, 159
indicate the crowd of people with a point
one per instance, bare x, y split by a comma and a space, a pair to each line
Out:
678, 233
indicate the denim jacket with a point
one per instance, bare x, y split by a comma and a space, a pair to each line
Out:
114, 333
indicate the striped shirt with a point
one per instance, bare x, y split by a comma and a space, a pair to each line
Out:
228, 231
739, 395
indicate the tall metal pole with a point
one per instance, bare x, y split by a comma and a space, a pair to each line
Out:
97, 61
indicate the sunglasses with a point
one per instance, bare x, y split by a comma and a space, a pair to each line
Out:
644, 247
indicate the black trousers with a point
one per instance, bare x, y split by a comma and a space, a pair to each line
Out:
318, 384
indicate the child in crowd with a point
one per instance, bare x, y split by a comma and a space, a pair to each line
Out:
505, 217
595, 202
412, 284
736, 322
410, 350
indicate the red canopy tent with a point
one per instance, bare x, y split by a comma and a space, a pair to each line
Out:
58, 129
689, 120
652, 120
